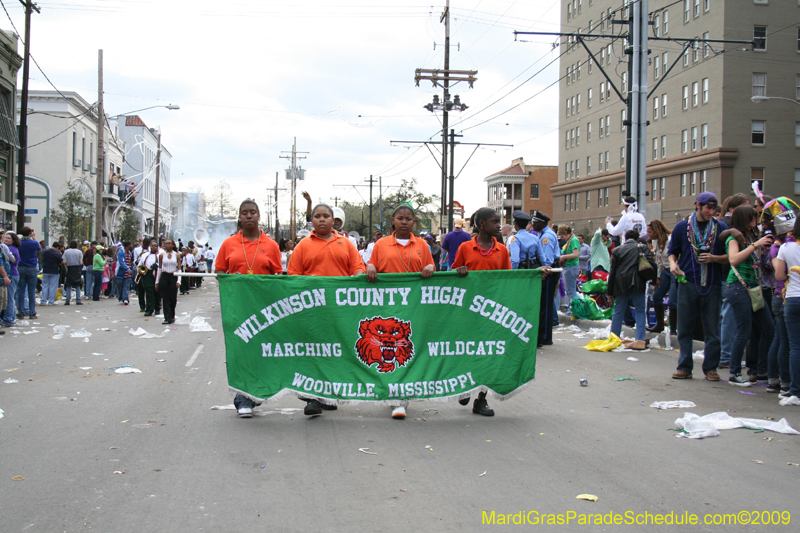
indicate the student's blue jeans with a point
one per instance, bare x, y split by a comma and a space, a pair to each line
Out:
693, 306
88, 275
667, 285
743, 316
49, 288
28, 277
791, 316
123, 288
778, 359
97, 285
621, 304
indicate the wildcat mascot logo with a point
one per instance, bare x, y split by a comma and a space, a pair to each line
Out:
385, 341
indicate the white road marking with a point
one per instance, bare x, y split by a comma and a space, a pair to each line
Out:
194, 355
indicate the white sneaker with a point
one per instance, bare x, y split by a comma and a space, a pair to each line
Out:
399, 412
791, 400
245, 412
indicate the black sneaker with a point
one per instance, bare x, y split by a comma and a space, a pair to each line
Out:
481, 407
774, 387
313, 408
737, 379
326, 407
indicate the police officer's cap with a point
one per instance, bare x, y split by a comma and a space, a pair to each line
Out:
521, 216
538, 216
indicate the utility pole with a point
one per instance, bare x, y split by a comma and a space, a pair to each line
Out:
277, 222
295, 174
371, 227
335, 201
158, 186
98, 184
23, 117
445, 122
445, 77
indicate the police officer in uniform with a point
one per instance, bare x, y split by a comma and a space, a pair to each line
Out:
551, 254
524, 247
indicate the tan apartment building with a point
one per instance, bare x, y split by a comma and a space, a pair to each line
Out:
523, 187
705, 132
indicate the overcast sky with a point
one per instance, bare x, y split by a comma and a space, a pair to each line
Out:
339, 76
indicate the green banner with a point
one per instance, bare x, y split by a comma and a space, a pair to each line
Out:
342, 339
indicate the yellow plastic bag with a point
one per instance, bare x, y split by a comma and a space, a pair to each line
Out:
604, 345
58, 293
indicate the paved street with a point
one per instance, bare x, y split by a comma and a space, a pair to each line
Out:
111, 452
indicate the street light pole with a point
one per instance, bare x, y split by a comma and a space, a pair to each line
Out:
759, 99
98, 186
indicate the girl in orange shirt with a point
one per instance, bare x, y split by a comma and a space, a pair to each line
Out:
402, 251
249, 251
483, 252
324, 253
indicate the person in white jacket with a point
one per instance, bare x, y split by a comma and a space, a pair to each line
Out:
631, 219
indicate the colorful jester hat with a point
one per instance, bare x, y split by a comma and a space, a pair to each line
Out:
783, 212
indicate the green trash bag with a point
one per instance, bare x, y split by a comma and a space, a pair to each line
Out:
586, 309
594, 286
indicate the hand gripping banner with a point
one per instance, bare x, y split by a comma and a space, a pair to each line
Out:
342, 339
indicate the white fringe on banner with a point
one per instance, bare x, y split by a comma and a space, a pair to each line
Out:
390, 403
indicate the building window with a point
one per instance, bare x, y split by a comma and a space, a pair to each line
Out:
654, 189
686, 58
663, 188
588, 132
602, 92
602, 127
608, 125
760, 37
577, 175
759, 83
578, 103
603, 57
569, 11
757, 174
704, 136
693, 184
797, 87
588, 199
605, 202
566, 202
623, 116
705, 90
665, 23
571, 169
696, 8
797, 181
686, 97
663, 146
579, 70
622, 157
572, 102
695, 93
695, 51
625, 82
797, 134
602, 159
578, 136
694, 138
706, 46
687, 9
655, 148
798, 39
567, 106
566, 140
656, 105
588, 172
607, 161
621, 187
566, 171
684, 140
534, 191
600, 197
683, 184
589, 98
704, 182
83, 150
75, 162
656, 67
664, 62
657, 25
758, 132
664, 105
